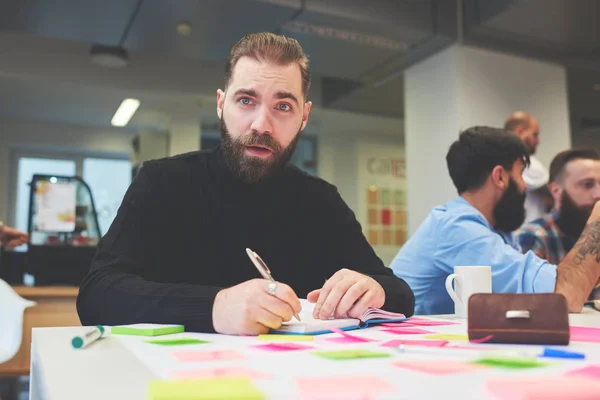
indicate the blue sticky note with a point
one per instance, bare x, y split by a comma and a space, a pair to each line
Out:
556, 353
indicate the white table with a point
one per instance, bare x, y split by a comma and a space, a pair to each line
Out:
113, 369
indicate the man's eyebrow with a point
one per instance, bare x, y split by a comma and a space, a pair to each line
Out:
287, 95
247, 92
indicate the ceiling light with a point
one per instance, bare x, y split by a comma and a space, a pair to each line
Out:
109, 56
125, 112
184, 29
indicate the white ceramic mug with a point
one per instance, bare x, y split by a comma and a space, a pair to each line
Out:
467, 281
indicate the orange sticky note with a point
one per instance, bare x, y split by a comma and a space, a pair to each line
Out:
448, 336
439, 367
225, 372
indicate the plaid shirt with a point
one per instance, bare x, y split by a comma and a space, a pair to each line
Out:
544, 238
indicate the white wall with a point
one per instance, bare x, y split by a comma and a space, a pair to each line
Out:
341, 135
431, 125
344, 138
28, 135
493, 85
461, 87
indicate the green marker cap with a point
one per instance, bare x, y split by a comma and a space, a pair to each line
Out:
77, 341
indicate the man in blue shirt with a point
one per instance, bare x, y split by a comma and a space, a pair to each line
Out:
486, 167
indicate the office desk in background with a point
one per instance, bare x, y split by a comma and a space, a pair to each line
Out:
56, 306
109, 369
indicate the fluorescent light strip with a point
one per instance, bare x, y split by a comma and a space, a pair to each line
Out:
126, 110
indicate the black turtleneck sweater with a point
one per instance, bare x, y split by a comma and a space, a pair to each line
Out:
181, 232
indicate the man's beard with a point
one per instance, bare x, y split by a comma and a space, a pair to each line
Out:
509, 213
572, 218
252, 169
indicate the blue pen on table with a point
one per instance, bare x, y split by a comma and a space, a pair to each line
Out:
261, 266
89, 337
487, 351
556, 353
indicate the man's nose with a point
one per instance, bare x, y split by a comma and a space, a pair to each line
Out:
262, 124
596, 192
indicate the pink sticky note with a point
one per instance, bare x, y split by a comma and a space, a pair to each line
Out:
439, 367
590, 371
200, 355
545, 388
407, 331
283, 347
349, 340
354, 387
227, 372
410, 342
584, 334
431, 320
417, 322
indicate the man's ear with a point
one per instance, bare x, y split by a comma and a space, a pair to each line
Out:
500, 177
556, 191
220, 102
305, 112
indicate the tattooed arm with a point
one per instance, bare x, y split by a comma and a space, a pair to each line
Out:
579, 271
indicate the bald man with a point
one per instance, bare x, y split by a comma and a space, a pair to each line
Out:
538, 201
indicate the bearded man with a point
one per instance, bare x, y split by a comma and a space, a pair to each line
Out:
486, 166
176, 252
575, 186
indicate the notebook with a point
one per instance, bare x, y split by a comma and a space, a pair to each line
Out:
312, 326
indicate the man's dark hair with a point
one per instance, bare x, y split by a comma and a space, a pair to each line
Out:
478, 151
274, 48
560, 161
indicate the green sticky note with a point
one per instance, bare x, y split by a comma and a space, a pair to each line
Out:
204, 389
177, 342
385, 197
511, 362
146, 329
399, 198
350, 354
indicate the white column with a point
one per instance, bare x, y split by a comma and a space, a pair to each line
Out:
184, 136
461, 87
431, 125
151, 145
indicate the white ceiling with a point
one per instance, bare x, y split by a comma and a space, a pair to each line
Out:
46, 73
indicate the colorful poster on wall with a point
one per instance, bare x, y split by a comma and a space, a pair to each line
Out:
382, 197
55, 206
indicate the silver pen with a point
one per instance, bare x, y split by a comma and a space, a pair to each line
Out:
261, 266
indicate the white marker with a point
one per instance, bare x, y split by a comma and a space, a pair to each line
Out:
82, 341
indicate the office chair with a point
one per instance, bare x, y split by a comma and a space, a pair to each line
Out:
12, 308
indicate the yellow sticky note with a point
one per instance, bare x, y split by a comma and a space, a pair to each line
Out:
204, 389
286, 338
448, 336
